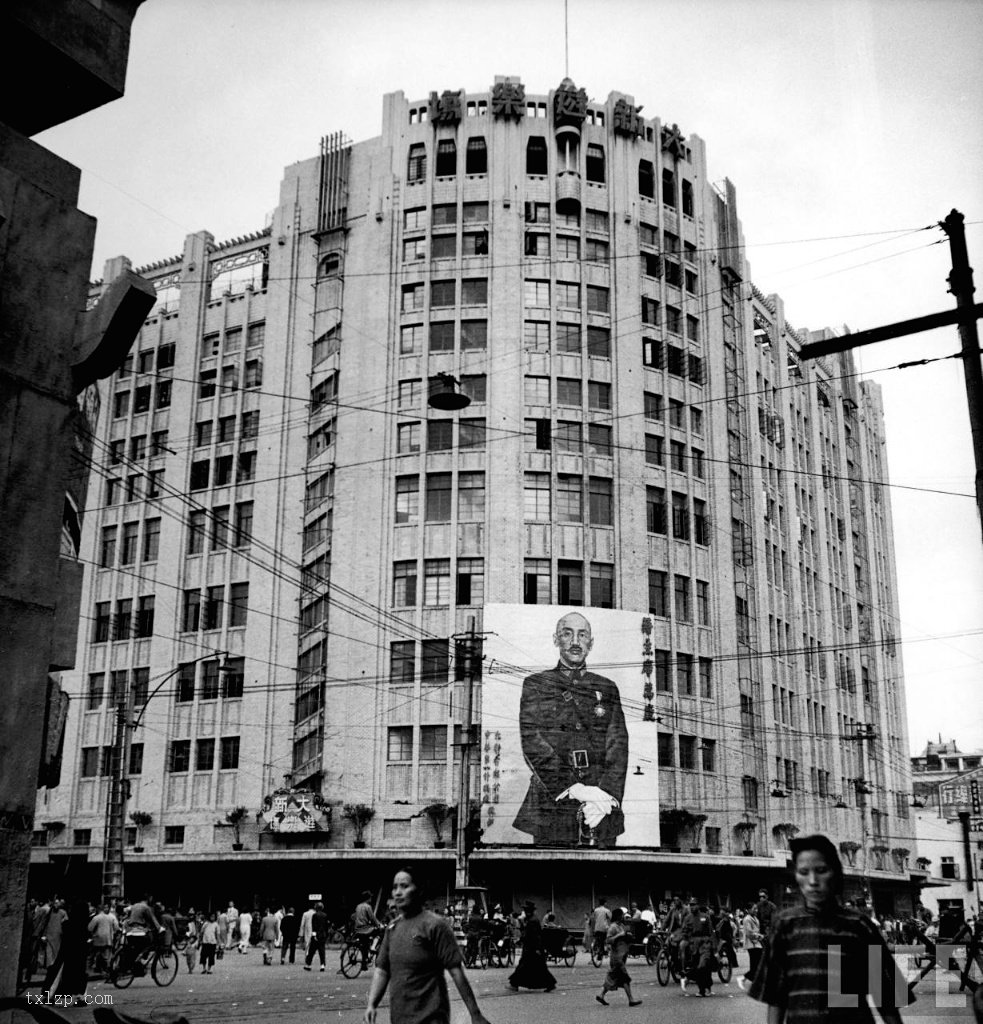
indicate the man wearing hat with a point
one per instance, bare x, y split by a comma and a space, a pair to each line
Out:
765, 911
575, 741
366, 926
531, 971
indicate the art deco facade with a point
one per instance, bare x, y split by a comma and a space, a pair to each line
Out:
641, 434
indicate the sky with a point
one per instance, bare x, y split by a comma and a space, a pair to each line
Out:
849, 128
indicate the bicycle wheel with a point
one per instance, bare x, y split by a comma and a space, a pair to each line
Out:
651, 952
482, 955
570, 954
351, 960
662, 968
724, 971
336, 937
121, 968
163, 967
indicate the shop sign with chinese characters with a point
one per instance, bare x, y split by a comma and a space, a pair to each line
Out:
293, 810
961, 795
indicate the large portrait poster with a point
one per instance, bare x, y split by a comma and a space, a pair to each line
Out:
569, 742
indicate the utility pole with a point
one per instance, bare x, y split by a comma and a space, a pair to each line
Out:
965, 315
961, 286
464, 787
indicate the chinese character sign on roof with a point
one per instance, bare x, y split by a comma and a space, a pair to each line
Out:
627, 119
569, 104
961, 795
445, 108
508, 99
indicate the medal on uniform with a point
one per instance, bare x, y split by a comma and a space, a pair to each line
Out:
599, 711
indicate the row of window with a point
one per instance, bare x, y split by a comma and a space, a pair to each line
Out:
128, 620
137, 680
158, 395
444, 215
210, 381
443, 294
147, 360
537, 164
536, 293
179, 755
231, 339
569, 338
473, 385
468, 578
432, 743
134, 487
224, 526
435, 661
544, 499
211, 680
473, 336
218, 472
672, 321
440, 435
139, 447
693, 755
208, 610
223, 429
438, 501
129, 547
538, 588
690, 599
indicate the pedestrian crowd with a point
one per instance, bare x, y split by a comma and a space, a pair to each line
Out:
414, 946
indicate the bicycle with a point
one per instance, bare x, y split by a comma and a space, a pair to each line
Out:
480, 953
128, 963
668, 965
354, 961
598, 949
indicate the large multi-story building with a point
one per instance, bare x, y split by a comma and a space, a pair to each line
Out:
292, 546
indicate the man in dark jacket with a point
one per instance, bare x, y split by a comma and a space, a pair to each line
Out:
765, 912
289, 929
319, 933
575, 741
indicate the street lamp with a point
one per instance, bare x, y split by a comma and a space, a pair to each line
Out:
119, 788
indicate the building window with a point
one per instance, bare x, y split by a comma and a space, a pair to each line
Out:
440, 435
569, 499
243, 528
687, 190
682, 599
136, 759
655, 509
567, 248
410, 338
407, 499
949, 868
570, 582
598, 299
701, 524
470, 497
568, 391
204, 755
234, 678
675, 360
470, 581
668, 187
536, 581
438, 498
434, 661
601, 501
151, 540
658, 593
97, 683
665, 749
124, 620
433, 742
399, 745
598, 396
229, 753
474, 334
601, 585
677, 456
475, 213
82, 837
595, 163
652, 353
646, 179
476, 156
446, 163
696, 461
107, 549
568, 338
687, 753
404, 584
101, 622
145, 616
238, 604
708, 748
186, 683
567, 295
471, 433
141, 398
436, 582
706, 677
128, 550
442, 336
413, 297
402, 661
191, 612
536, 497
599, 342
474, 291
596, 251
680, 516
568, 437
407, 438
415, 219
702, 603
536, 155
654, 450
416, 167
749, 785
180, 756
443, 247
536, 293
214, 604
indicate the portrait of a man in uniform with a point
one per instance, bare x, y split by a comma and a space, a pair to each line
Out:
575, 742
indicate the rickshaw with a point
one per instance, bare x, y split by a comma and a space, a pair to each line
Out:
560, 944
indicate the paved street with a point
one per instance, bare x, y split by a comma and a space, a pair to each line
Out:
244, 991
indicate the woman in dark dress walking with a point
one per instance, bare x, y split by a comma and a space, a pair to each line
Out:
531, 971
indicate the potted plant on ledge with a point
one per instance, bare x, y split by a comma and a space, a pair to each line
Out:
696, 828
745, 829
359, 815
785, 831
849, 850
438, 813
677, 820
923, 863
141, 819
234, 818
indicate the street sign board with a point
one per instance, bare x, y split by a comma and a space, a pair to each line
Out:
961, 795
